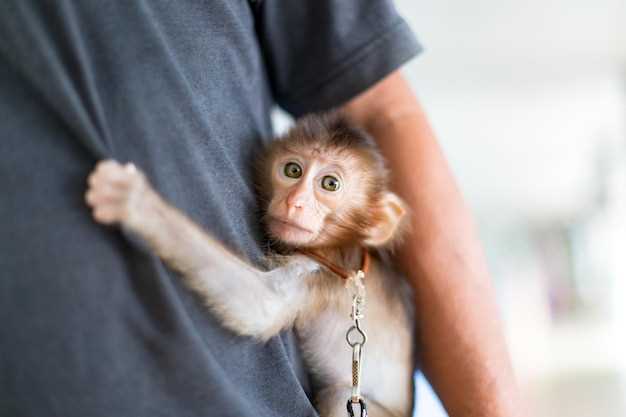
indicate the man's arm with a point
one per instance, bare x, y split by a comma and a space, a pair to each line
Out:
462, 348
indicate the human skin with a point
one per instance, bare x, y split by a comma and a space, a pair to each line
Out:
461, 345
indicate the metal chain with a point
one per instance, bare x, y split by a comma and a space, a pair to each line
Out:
356, 338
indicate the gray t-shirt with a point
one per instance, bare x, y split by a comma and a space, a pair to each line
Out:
93, 324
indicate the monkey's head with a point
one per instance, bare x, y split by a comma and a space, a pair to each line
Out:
325, 184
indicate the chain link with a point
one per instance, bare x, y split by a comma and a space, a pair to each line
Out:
356, 339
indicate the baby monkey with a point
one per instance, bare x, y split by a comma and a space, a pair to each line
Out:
324, 189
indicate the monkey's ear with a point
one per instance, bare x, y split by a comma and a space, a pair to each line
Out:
390, 215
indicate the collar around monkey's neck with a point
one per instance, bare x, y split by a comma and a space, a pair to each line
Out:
336, 269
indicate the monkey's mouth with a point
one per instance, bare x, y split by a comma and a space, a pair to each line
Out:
288, 231
290, 224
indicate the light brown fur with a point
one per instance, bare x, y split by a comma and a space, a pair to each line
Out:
296, 291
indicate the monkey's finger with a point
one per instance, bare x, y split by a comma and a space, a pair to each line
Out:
107, 164
130, 167
108, 214
121, 175
113, 168
109, 186
110, 172
95, 197
122, 180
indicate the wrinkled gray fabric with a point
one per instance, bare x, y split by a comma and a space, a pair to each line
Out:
93, 324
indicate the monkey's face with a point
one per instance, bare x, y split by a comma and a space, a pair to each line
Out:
311, 188
324, 184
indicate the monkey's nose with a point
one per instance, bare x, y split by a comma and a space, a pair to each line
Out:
296, 200
293, 208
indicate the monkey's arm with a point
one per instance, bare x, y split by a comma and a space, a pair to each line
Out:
462, 347
249, 301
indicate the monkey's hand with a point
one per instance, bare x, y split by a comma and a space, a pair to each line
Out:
117, 193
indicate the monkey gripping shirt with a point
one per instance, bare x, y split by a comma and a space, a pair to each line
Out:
93, 323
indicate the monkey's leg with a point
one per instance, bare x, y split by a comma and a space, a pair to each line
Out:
332, 401
249, 301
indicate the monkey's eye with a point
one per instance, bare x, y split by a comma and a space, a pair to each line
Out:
293, 170
330, 183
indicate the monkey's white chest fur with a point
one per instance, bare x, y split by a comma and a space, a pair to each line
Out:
386, 380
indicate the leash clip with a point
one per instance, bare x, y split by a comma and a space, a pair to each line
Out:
350, 407
356, 339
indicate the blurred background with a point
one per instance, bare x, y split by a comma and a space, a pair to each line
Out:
529, 102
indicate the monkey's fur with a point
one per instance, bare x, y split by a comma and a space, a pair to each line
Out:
297, 292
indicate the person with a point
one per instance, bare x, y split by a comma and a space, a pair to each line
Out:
93, 324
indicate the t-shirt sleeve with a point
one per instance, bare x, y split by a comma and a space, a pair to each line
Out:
321, 53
